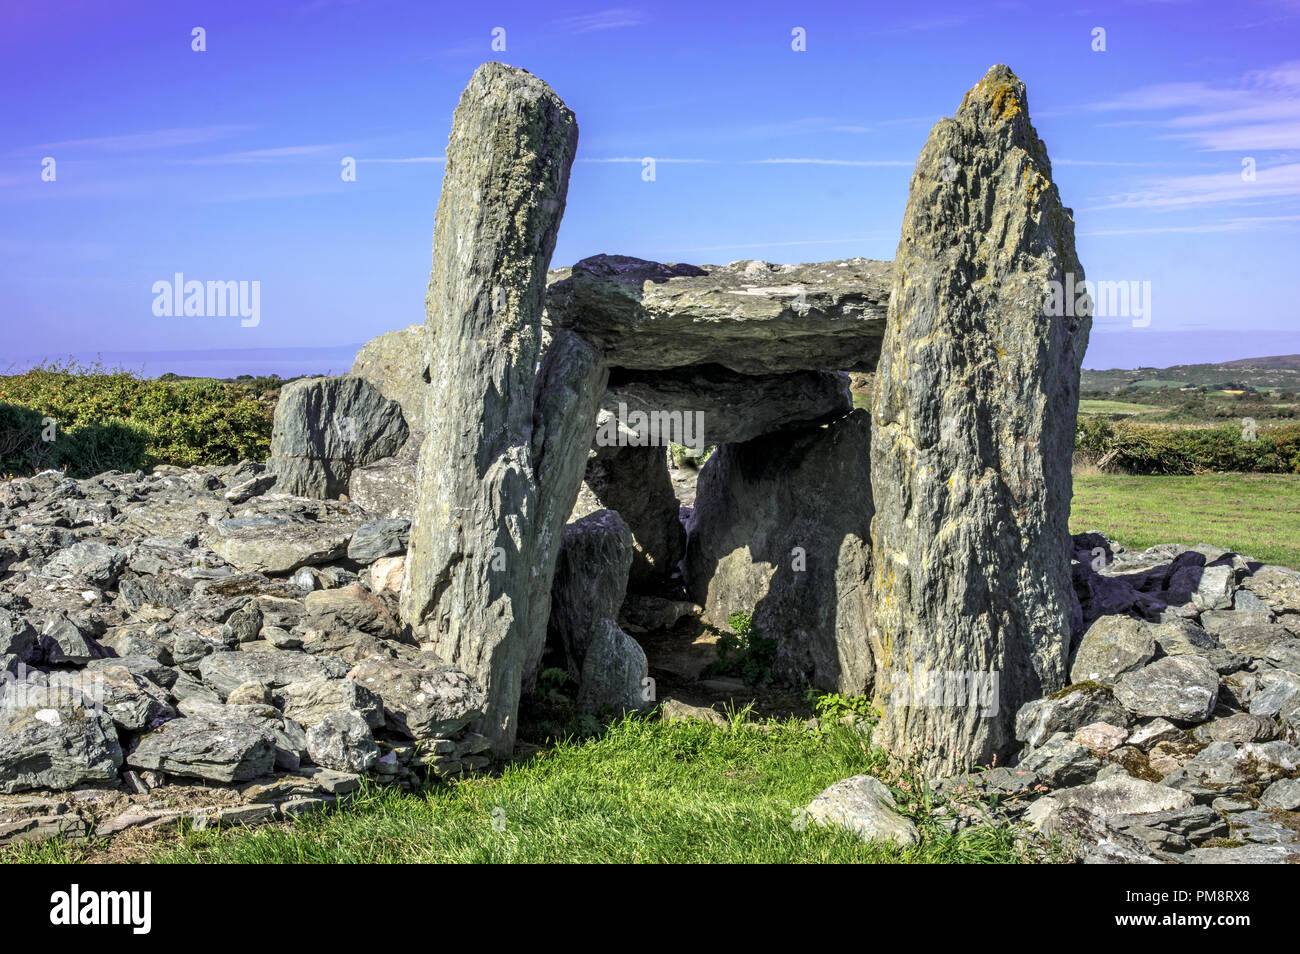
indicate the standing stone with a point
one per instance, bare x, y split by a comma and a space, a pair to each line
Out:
634, 481
781, 530
569, 386
975, 402
472, 538
590, 582
614, 672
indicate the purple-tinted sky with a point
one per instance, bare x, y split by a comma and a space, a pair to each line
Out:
225, 164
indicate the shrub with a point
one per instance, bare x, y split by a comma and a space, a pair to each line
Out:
106, 419
1141, 448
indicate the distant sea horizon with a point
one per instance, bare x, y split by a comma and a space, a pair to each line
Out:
1121, 347
209, 363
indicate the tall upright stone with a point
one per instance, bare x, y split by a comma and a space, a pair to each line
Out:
975, 401
473, 539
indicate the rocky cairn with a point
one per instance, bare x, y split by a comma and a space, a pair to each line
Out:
184, 644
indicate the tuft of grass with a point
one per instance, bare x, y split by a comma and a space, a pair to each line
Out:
644, 791
1257, 515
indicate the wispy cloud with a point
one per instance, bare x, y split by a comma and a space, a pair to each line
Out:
145, 141
274, 154
1240, 224
833, 162
640, 159
1259, 111
1186, 192
615, 18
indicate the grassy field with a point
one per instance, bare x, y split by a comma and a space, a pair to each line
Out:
1088, 407
645, 791
1255, 514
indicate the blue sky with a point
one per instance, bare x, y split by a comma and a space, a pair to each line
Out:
225, 164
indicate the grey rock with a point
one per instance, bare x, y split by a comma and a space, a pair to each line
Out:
62, 643
1264, 828
614, 671
674, 710
420, 701
731, 407
1246, 600
309, 702
1239, 727
1179, 688
864, 806
278, 535
973, 432
1245, 855
1277, 587
131, 700
386, 488
18, 637
93, 562
394, 363
351, 607
1068, 711
59, 747
1277, 687
751, 317
781, 530
1117, 794
1182, 637
372, 541
342, 741
324, 427
1112, 646
253, 487
1152, 732
590, 582
251, 693
1219, 622
1283, 795
227, 671
220, 750
512, 143
1061, 762
1085, 836
1174, 830
245, 624
650, 613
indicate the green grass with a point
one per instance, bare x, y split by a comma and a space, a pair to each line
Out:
645, 791
1254, 514
1088, 407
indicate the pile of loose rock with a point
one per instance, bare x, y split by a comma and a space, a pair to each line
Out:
191, 629
1175, 742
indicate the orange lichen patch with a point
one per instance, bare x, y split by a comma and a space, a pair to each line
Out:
1002, 97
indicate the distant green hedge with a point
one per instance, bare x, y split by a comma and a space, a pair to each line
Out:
1152, 449
105, 419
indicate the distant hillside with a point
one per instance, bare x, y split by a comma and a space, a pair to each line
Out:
1289, 361
1281, 372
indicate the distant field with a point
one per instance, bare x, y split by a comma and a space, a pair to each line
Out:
1159, 383
1089, 407
1254, 514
